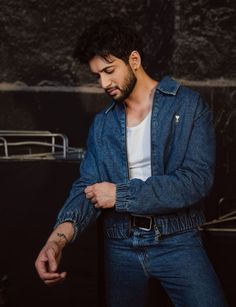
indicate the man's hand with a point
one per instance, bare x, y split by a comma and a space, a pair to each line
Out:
102, 195
49, 258
47, 264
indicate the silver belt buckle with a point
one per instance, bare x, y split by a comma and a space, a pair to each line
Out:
144, 216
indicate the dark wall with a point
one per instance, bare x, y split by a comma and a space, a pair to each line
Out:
31, 195
38, 37
205, 36
193, 40
68, 112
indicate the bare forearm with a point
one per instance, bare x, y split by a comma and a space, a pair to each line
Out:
63, 234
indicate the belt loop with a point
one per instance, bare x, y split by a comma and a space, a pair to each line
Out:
156, 230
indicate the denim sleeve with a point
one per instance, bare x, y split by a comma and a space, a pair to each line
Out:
185, 186
77, 208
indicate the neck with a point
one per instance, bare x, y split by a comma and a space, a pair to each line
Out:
143, 92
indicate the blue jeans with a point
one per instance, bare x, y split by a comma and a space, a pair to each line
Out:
178, 261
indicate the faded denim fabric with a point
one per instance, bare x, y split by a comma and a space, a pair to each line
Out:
182, 163
178, 261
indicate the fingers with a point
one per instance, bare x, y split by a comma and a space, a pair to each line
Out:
102, 195
52, 264
55, 280
41, 266
89, 188
47, 265
89, 195
48, 277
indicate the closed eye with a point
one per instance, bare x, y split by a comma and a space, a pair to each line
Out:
109, 71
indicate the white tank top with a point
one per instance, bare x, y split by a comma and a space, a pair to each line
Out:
139, 149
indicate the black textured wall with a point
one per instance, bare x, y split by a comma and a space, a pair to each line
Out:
205, 36
193, 40
38, 37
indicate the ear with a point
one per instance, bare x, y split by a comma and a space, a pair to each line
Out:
135, 60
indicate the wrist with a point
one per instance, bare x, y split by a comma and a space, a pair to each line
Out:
58, 241
62, 235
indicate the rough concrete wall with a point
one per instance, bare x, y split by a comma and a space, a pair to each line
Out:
205, 34
38, 37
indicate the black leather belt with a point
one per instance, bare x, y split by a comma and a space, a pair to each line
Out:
144, 222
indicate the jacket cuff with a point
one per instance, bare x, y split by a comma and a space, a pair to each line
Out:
122, 197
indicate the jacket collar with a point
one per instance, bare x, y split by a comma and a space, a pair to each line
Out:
169, 86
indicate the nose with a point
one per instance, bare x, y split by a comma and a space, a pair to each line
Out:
105, 81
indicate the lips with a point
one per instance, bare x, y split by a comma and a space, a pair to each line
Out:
112, 91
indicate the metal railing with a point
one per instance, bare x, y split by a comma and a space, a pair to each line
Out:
225, 222
36, 145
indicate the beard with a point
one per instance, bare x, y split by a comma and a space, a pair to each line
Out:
127, 87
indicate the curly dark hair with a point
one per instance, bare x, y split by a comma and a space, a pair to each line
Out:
110, 36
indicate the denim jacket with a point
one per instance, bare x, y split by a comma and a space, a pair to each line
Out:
182, 166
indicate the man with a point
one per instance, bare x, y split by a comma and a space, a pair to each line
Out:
149, 164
